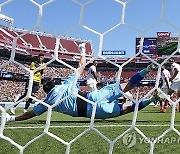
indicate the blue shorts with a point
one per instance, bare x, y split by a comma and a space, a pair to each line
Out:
67, 106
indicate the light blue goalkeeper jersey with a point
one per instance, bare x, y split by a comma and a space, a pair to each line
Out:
106, 108
57, 95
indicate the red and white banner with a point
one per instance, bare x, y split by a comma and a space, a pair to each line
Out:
163, 35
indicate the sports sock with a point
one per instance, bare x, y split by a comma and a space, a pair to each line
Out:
136, 78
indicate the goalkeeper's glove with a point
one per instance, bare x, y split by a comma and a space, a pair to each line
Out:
82, 48
9, 118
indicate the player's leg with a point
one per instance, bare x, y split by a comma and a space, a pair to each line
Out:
164, 103
17, 98
161, 106
155, 104
35, 88
136, 78
175, 87
28, 102
130, 108
170, 92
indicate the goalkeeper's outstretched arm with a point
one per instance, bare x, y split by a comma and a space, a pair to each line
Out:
25, 116
21, 117
31, 114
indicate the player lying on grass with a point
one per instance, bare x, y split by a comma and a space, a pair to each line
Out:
74, 106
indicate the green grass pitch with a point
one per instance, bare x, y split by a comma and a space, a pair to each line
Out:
149, 121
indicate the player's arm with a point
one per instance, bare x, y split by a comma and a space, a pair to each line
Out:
82, 61
25, 116
37, 110
174, 75
32, 66
43, 69
95, 75
167, 82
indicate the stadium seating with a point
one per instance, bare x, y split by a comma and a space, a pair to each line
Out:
33, 43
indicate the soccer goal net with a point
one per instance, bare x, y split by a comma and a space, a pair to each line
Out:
110, 29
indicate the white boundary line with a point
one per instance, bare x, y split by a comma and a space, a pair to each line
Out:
98, 126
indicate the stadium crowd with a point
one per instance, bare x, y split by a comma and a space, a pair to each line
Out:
9, 88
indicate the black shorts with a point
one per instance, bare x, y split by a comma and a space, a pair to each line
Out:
81, 105
35, 86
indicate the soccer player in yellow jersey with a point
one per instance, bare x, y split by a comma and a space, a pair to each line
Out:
36, 81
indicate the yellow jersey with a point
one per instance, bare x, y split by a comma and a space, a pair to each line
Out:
37, 75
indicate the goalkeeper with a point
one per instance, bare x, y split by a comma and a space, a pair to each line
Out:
74, 106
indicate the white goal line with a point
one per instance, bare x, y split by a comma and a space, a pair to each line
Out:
86, 126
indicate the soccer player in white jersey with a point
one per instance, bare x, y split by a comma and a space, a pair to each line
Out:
92, 77
175, 79
165, 88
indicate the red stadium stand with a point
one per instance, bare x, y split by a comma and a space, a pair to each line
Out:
8, 38
31, 39
128, 74
69, 46
48, 42
108, 73
35, 53
33, 43
69, 57
72, 46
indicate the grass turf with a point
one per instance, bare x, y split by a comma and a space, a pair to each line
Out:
149, 121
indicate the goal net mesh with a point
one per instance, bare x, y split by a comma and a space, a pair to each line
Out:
98, 55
